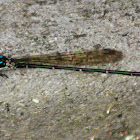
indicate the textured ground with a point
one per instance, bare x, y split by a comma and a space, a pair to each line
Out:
66, 105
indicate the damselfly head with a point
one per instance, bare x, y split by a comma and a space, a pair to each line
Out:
3, 61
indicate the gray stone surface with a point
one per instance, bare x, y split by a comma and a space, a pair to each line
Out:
66, 105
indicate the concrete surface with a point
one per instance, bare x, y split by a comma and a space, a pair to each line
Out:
41, 104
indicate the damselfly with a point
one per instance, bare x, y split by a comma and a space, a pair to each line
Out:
67, 61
